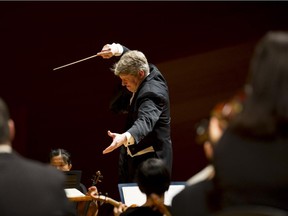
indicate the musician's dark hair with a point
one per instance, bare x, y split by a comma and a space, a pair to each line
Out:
152, 176
66, 156
265, 112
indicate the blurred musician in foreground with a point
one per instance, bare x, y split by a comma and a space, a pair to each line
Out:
153, 179
250, 158
210, 131
28, 188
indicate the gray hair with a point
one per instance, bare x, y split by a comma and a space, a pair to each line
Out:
131, 63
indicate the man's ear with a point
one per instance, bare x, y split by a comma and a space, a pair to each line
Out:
141, 74
11, 129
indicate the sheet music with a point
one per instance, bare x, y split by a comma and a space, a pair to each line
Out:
73, 192
131, 194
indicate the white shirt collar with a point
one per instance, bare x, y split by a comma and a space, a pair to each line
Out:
5, 148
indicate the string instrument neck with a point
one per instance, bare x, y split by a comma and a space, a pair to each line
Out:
106, 199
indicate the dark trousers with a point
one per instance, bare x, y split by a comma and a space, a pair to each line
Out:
128, 165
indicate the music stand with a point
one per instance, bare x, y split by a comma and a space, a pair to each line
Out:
73, 178
130, 193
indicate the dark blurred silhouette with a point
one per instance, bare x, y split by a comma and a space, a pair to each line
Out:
250, 158
28, 188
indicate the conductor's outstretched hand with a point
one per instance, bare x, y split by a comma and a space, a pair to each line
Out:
118, 140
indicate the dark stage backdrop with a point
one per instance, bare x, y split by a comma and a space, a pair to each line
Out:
202, 48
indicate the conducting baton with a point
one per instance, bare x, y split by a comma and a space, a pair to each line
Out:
76, 61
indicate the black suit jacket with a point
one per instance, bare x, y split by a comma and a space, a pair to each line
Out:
199, 199
149, 117
29, 188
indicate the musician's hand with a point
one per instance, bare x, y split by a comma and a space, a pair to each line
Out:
118, 210
110, 50
92, 191
118, 140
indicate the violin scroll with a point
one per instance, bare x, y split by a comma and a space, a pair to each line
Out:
97, 178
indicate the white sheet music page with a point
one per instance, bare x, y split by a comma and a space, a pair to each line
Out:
73, 192
133, 195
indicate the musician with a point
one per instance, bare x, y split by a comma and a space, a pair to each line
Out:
148, 125
61, 159
200, 187
27, 187
210, 131
153, 179
250, 158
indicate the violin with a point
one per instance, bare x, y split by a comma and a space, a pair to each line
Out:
86, 205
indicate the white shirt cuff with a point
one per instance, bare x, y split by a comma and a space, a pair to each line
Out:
5, 148
117, 49
130, 139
